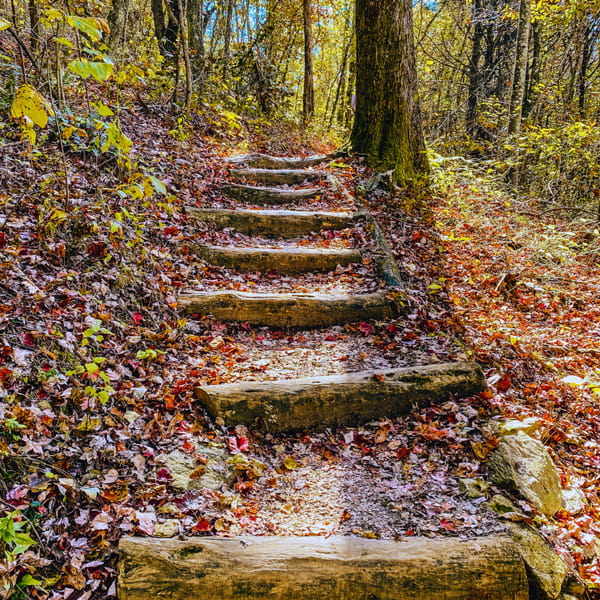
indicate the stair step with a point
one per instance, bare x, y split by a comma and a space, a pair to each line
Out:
264, 161
276, 223
278, 176
268, 195
287, 310
339, 400
315, 568
283, 260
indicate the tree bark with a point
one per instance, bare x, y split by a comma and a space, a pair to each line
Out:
305, 568
387, 126
117, 21
158, 16
517, 95
340, 400
308, 96
196, 25
475, 74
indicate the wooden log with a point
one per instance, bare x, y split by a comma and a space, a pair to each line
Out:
339, 400
277, 176
267, 195
283, 260
275, 223
314, 568
287, 310
264, 161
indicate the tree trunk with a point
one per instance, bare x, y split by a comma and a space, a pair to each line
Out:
534, 72
387, 126
517, 95
227, 38
34, 23
475, 74
308, 96
195, 23
117, 21
158, 16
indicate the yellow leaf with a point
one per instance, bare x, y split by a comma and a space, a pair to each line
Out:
67, 132
29, 103
290, 464
4, 24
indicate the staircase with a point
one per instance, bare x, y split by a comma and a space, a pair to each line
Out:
298, 567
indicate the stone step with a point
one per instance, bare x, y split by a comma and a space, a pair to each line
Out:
287, 310
317, 568
283, 260
264, 161
274, 223
268, 195
278, 176
339, 400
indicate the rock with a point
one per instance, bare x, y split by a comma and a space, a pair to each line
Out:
189, 474
473, 488
169, 528
545, 569
501, 505
574, 500
523, 464
513, 426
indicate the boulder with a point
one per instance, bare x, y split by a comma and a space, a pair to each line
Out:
546, 570
190, 474
523, 464
513, 426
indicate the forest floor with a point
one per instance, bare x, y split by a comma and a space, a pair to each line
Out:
97, 367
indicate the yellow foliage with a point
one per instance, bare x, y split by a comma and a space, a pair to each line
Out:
28, 103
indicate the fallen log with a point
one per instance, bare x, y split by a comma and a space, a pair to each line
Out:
282, 260
287, 310
277, 176
339, 400
264, 161
275, 223
267, 195
309, 568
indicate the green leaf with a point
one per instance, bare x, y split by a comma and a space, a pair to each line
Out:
100, 71
88, 25
158, 185
28, 579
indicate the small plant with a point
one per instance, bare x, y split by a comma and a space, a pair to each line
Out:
14, 536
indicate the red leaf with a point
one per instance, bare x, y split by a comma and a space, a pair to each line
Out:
366, 328
447, 525
138, 318
504, 383
163, 475
202, 526
237, 444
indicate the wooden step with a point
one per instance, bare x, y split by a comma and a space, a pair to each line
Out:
283, 260
287, 310
277, 176
316, 568
339, 400
274, 223
264, 161
268, 195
